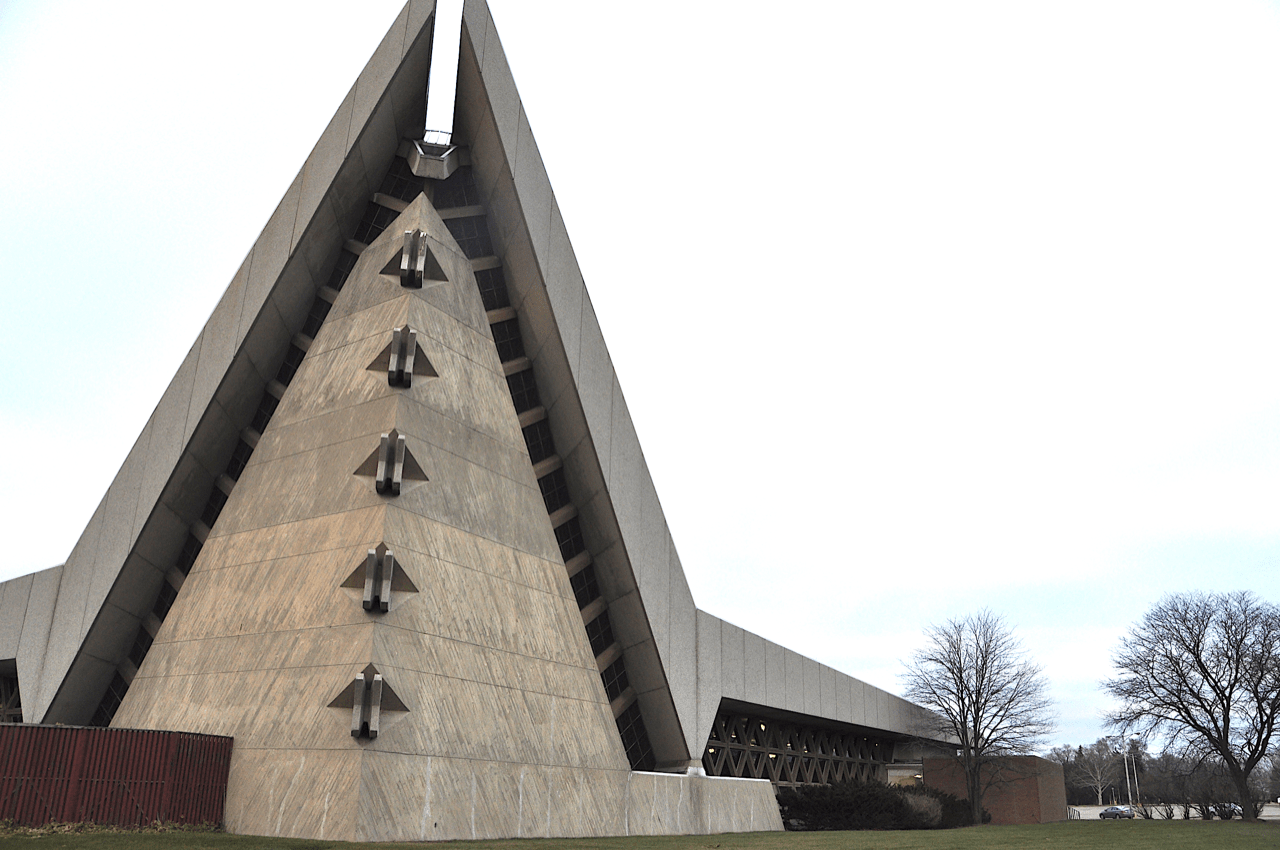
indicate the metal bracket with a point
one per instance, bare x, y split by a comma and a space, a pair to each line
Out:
377, 580
404, 345
366, 706
390, 465
413, 259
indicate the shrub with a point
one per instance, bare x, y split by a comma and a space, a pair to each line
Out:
955, 811
928, 810
869, 805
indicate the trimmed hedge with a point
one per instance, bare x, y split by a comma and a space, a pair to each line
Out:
870, 805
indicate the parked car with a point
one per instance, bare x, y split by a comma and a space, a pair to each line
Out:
1227, 811
1116, 812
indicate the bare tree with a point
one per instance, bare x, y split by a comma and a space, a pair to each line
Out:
1095, 767
1204, 669
985, 693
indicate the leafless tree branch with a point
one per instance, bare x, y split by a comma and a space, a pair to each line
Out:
975, 677
1204, 670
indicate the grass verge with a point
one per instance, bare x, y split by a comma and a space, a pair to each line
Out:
1069, 835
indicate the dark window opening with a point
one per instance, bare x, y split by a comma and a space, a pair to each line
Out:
537, 438
600, 633
289, 368
555, 490
376, 218
239, 460
110, 701
10, 700
459, 190
506, 336
341, 271
164, 600
315, 318
615, 679
569, 536
212, 508
400, 181
635, 740
190, 551
585, 589
472, 236
266, 409
524, 390
141, 645
493, 289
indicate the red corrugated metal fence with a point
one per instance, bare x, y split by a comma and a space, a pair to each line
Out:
127, 777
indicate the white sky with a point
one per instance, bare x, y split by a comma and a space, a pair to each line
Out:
919, 307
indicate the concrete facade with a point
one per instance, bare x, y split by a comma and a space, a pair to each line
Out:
223, 603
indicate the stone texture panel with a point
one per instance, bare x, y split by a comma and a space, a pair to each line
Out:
14, 595
266, 794
35, 640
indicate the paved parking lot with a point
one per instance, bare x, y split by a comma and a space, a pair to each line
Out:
1269, 812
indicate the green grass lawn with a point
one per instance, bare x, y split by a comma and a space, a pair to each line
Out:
1070, 835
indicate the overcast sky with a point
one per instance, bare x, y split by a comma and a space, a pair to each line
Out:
918, 307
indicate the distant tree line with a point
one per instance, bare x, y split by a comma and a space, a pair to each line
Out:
1200, 673
1166, 785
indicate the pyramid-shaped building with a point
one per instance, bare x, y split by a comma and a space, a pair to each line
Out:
390, 528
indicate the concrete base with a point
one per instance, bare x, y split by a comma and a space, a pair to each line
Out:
387, 797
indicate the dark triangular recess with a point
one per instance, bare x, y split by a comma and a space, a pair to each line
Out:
400, 582
433, 275
390, 699
413, 471
421, 365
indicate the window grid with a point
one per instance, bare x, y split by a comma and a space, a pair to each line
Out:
635, 740
569, 536
493, 289
506, 336
524, 390
600, 633
537, 438
376, 218
555, 490
585, 588
472, 235
400, 181
615, 679
458, 190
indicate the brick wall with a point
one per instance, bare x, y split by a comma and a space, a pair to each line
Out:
1027, 789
